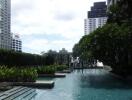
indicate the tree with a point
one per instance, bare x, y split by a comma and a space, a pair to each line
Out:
50, 57
121, 12
83, 51
63, 56
12, 58
54, 57
111, 44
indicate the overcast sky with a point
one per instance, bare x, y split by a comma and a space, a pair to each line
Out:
49, 24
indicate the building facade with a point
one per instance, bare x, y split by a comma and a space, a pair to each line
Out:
97, 17
16, 43
92, 24
5, 21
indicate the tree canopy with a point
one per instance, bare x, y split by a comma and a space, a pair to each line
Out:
111, 43
121, 12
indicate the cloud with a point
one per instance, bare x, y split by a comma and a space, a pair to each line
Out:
67, 16
49, 24
37, 46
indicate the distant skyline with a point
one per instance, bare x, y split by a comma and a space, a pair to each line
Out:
49, 24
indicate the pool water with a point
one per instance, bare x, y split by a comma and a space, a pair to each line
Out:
90, 84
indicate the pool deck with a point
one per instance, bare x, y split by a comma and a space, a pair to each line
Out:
19, 93
56, 75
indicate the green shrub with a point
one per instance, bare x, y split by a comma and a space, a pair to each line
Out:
17, 74
29, 74
46, 70
60, 67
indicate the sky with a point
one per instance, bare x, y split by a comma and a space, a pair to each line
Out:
49, 24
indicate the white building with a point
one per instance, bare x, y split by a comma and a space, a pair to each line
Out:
16, 43
92, 24
97, 17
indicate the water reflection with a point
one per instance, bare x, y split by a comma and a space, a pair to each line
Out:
87, 84
102, 79
100, 85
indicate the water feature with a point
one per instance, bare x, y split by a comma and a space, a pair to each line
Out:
100, 64
92, 84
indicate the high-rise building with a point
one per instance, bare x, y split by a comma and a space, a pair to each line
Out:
5, 21
97, 17
16, 43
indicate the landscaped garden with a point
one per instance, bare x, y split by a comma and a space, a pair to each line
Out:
25, 67
27, 74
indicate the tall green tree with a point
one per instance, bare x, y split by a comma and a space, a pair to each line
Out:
121, 12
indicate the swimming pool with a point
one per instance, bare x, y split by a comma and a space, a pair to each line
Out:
90, 85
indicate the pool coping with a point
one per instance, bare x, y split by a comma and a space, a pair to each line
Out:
56, 75
64, 71
42, 84
116, 75
88, 68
